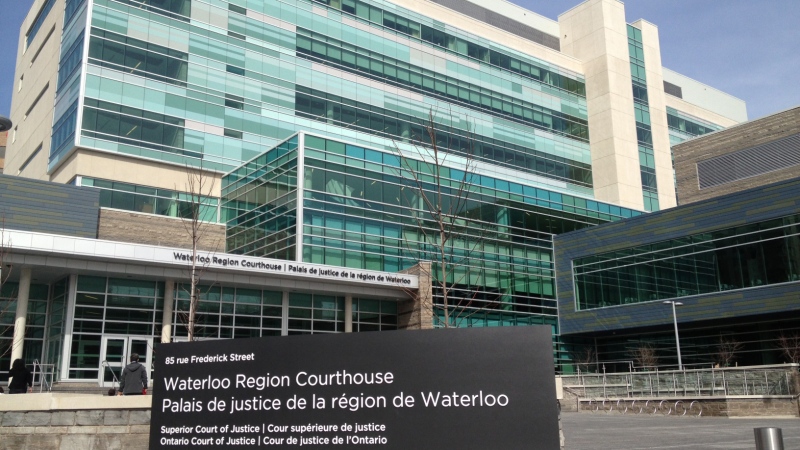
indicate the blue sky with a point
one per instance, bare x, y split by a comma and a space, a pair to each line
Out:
748, 48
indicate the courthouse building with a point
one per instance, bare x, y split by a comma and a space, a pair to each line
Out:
309, 116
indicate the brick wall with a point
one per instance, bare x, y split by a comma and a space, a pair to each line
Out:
124, 226
746, 135
417, 314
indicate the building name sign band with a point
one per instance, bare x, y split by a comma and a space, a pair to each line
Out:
301, 269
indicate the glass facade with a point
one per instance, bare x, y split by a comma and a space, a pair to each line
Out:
683, 126
111, 306
644, 134
361, 207
36, 321
752, 255
227, 312
190, 82
150, 200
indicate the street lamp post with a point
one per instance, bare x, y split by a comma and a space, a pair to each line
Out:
675, 322
5, 124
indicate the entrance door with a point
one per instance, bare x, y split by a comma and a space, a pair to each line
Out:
115, 352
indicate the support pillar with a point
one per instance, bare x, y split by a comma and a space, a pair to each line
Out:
166, 318
18, 343
348, 313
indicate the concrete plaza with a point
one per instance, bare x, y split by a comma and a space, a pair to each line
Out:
600, 431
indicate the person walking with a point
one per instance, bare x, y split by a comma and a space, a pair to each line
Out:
134, 378
21, 378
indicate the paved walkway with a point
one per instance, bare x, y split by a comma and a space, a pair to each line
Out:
586, 431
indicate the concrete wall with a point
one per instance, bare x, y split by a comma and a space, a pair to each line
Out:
747, 135
125, 226
36, 72
68, 422
33, 205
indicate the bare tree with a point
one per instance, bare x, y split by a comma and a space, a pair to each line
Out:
790, 347
199, 187
645, 356
448, 228
726, 351
585, 357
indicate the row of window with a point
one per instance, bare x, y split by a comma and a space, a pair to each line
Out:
642, 116
150, 200
108, 49
319, 106
689, 125
385, 69
70, 62
752, 255
133, 126
528, 69
38, 22
350, 158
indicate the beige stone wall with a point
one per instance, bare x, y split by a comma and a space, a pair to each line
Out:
124, 226
37, 68
595, 32
739, 137
127, 169
417, 313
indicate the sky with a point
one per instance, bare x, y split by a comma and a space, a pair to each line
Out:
747, 48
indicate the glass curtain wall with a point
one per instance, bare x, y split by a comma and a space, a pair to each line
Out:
752, 255
644, 134
217, 82
36, 321
111, 306
260, 204
55, 326
361, 208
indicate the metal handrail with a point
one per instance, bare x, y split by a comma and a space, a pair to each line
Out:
752, 380
105, 365
43, 374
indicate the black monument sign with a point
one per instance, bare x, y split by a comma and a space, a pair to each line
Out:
487, 388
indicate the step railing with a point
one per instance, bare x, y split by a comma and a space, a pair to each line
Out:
43, 375
104, 364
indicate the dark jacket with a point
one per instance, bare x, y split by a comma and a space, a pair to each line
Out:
133, 379
20, 378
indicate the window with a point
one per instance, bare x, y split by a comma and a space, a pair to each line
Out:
35, 101
37, 23
29, 159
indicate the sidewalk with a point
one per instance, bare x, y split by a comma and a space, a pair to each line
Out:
600, 431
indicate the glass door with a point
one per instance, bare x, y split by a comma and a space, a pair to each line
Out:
115, 352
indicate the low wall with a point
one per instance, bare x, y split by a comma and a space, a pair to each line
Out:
74, 422
730, 406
